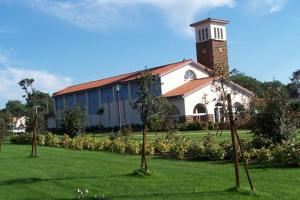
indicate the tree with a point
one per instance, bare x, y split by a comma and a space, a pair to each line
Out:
35, 98
225, 93
273, 119
15, 108
259, 88
32, 110
163, 118
147, 104
5, 121
74, 121
294, 85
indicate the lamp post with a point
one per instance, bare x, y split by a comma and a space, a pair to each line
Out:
118, 87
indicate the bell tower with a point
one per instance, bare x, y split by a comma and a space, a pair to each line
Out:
211, 44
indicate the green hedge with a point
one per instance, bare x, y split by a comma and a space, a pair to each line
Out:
175, 146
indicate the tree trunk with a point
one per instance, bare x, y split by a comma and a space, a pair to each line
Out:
33, 148
234, 144
144, 164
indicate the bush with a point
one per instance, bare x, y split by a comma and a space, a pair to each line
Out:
180, 146
263, 155
133, 147
273, 120
66, 141
162, 145
191, 126
74, 121
26, 138
52, 140
286, 155
118, 145
197, 150
212, 148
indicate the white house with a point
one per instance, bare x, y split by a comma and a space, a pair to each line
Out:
184, 83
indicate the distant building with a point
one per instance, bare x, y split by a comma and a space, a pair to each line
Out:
18, 125
184, 83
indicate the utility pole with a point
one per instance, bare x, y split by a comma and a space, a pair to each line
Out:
118, 87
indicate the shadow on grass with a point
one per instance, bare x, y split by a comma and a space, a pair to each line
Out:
33, 180
185, 195
182, 195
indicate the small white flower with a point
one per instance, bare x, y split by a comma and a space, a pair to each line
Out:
78, 190
86, 191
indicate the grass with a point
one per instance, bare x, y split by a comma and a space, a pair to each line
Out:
245, 134
57, 173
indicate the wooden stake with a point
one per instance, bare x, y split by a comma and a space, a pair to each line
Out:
233, 138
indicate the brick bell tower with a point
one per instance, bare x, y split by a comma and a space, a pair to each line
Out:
211, 44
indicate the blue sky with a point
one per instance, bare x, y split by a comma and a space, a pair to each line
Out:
63, 42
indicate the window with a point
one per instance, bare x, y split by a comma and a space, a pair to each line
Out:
107, 95
219, 113
93, 101
206, 33
218, 31
221, 33
124, 93
215, 32
69, 101
199, 33
81, 99
189, 75
59, 103
203, 36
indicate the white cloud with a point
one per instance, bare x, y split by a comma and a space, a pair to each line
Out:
266, 6
102, 15
10, 75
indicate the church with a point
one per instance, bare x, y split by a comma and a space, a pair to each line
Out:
188, 85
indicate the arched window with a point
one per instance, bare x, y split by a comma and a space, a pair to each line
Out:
219, 113
189, 75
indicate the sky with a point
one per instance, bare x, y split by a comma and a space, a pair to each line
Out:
65, 42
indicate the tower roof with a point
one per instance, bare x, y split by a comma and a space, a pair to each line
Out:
210, 20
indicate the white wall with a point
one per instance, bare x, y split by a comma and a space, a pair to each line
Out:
190, 101
175, 79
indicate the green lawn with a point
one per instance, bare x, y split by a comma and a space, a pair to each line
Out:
245, 134
57, 174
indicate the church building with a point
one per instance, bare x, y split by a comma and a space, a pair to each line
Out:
188, 85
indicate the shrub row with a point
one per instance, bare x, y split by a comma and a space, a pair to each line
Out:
175, 146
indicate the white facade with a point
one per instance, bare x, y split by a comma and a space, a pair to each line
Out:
170, 81
176, 78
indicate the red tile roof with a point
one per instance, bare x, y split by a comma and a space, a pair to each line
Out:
122, 78
189, 87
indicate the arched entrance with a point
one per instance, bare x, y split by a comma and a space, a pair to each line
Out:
200, 112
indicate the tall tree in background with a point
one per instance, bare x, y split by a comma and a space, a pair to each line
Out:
16, 108
293, 86
258, 87
148, 103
